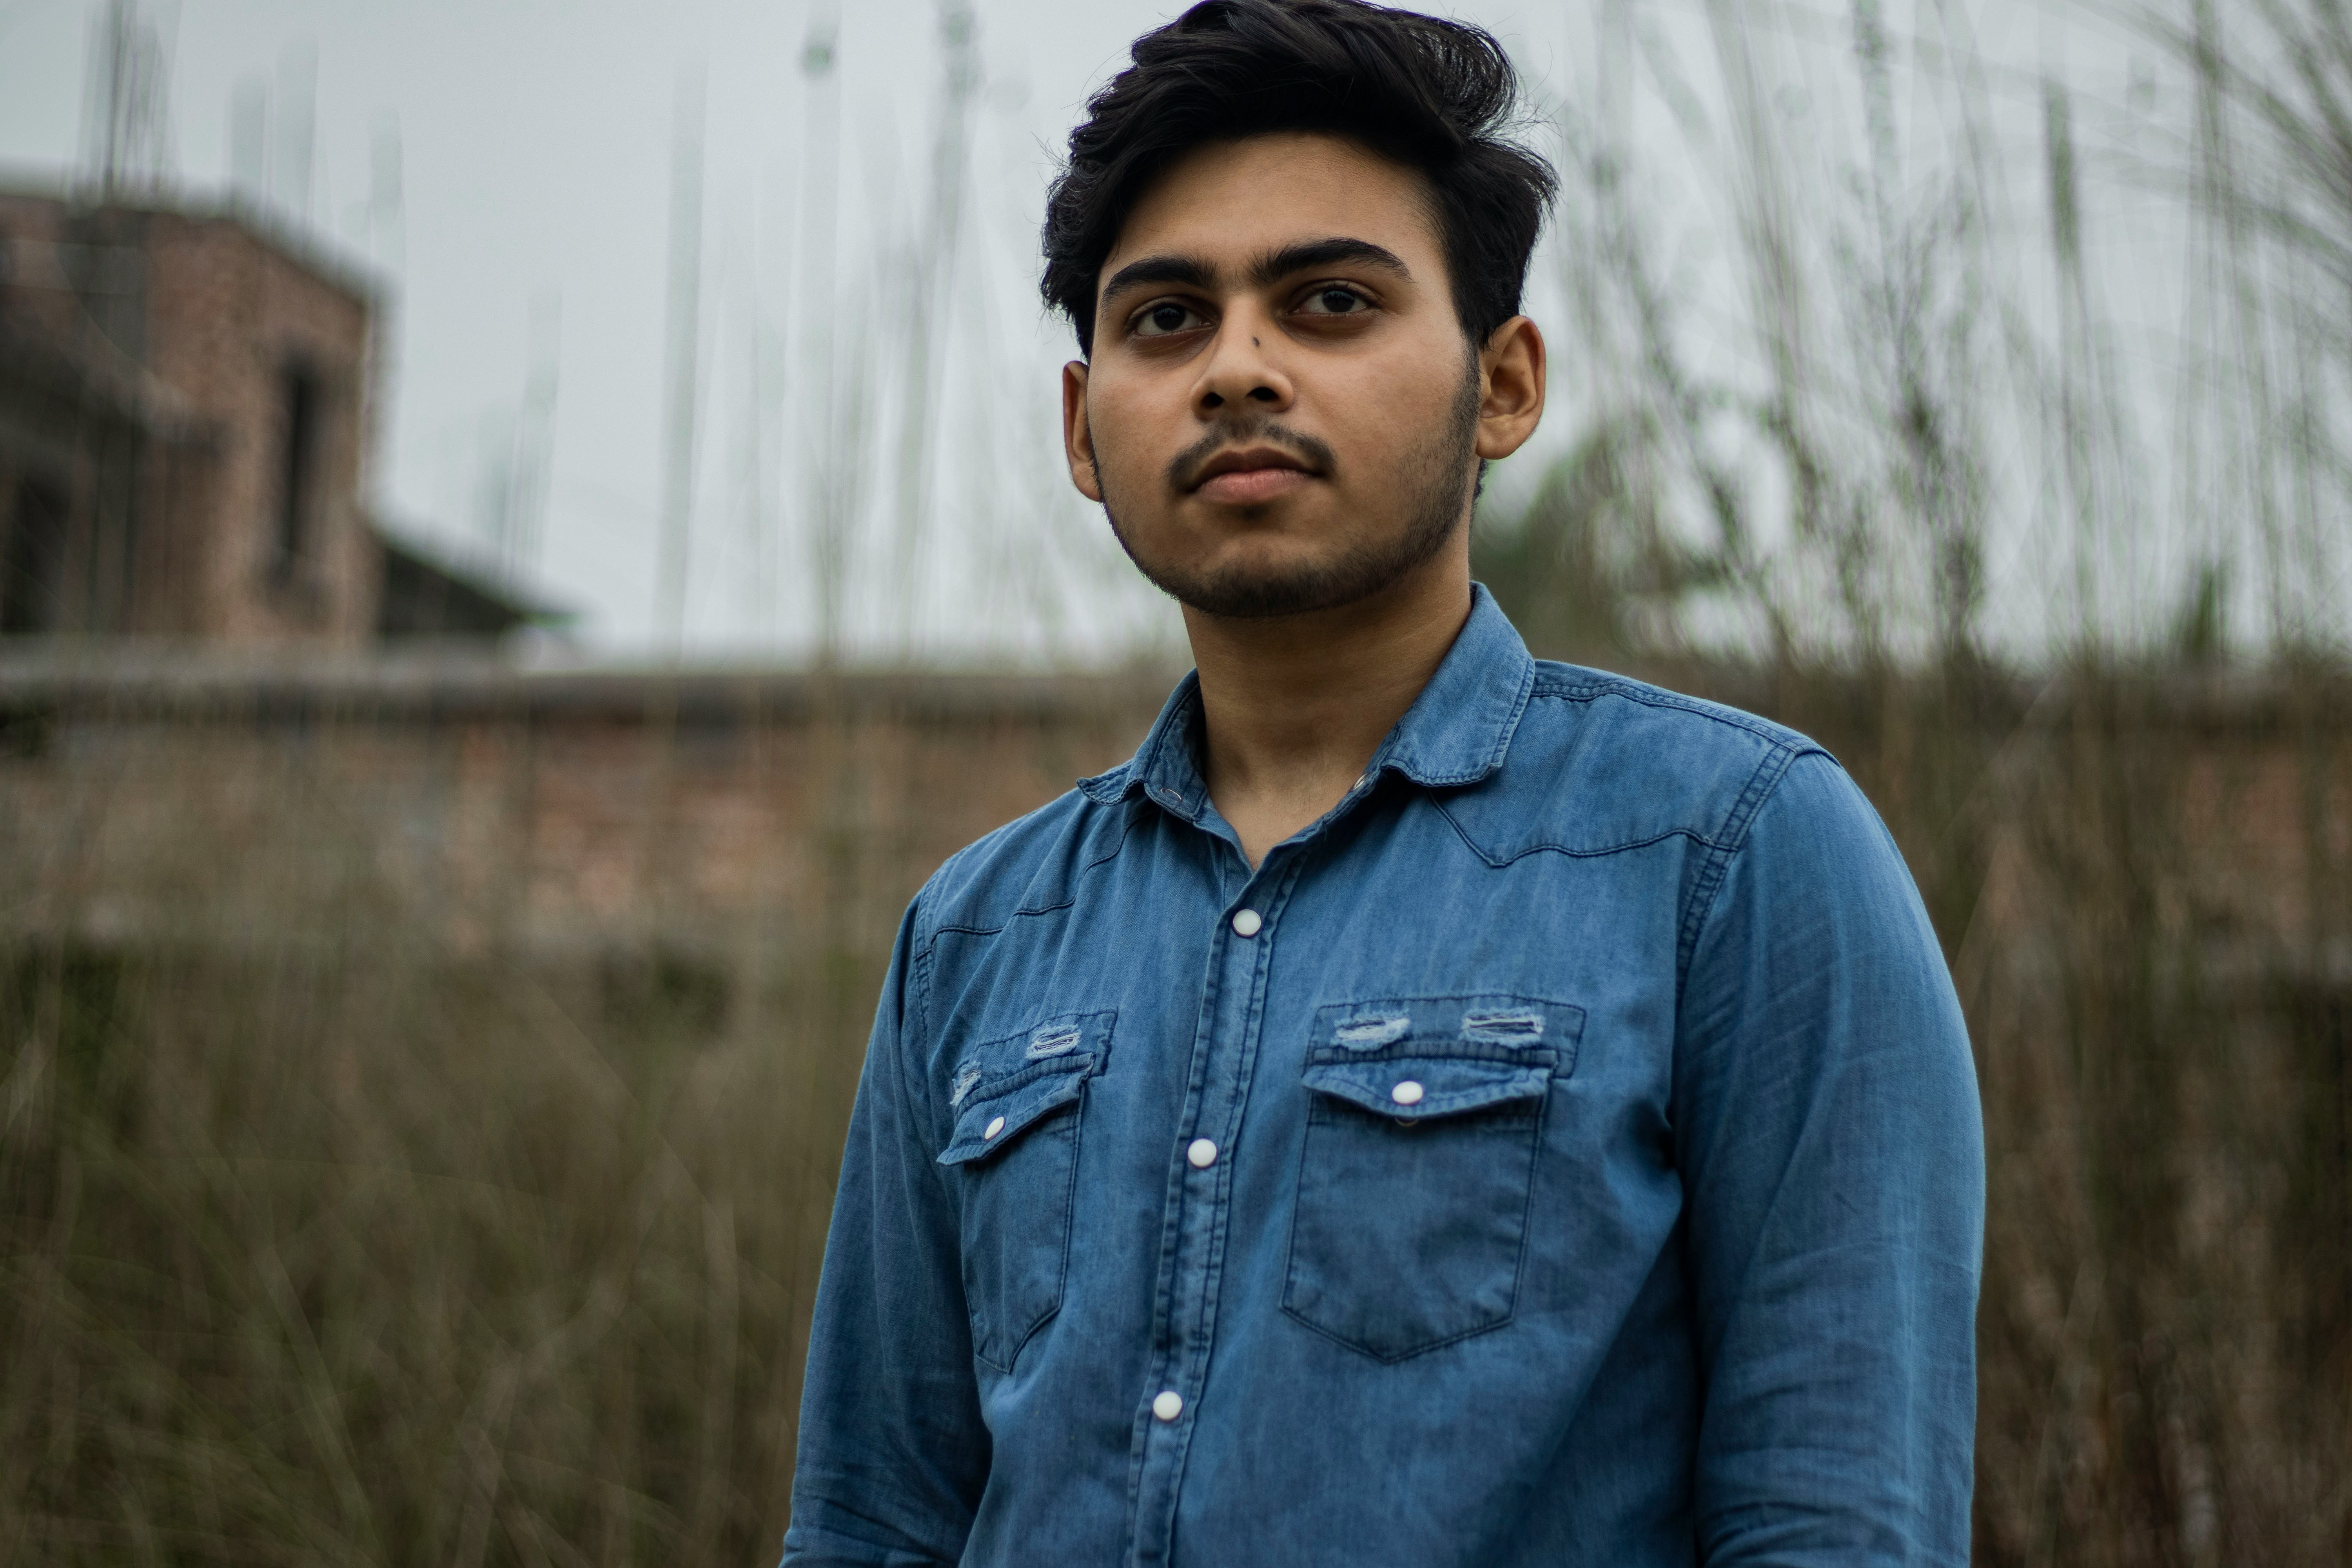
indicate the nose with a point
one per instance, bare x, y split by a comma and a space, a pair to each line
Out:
1237, 371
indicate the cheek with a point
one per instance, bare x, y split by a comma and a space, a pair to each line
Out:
1128, 434
1381, 428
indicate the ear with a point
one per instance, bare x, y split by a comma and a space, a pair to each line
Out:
1077, 436
1510, 387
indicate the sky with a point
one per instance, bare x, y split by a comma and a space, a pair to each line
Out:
534, 145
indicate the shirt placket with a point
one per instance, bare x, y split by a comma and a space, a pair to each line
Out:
1200, 1187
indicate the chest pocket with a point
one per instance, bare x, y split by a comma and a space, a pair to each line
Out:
1424, 1123
1014, 1159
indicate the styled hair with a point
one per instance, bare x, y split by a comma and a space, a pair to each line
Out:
1439, 98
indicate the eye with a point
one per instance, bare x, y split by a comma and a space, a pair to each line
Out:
1166, 316
1333, 300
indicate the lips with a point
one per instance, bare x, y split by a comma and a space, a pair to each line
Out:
1247, 476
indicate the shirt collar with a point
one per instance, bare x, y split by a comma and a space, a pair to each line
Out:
1457, 731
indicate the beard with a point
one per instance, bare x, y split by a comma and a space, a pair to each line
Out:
1436, 493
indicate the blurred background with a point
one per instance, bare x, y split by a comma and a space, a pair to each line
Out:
527, 532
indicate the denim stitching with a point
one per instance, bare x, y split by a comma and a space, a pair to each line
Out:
1570, 688
1761, 785
1498, 861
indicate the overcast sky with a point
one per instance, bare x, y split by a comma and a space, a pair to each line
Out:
535, 146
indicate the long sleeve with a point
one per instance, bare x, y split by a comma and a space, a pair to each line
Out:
892, 1451
1830, 1144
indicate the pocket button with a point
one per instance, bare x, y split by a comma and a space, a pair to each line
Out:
1409, 1092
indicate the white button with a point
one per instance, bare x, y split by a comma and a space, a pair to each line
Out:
1247, 922
1361, 778
997, 1126
1202, 1154
1167, 1405
1406, 1093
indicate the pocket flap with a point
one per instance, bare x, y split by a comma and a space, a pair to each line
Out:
1422, 1087
1007, 1084
997, 1111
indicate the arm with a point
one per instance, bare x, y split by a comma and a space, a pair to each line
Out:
892, 1453
1832, 1157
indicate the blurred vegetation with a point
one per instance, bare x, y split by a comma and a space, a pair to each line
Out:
365, 1258
350, 1238
2134, 829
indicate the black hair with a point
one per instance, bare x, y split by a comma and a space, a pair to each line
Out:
1435, 97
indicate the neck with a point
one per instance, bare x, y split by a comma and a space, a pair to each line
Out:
1294, 706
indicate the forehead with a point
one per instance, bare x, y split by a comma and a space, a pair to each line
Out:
1249, 197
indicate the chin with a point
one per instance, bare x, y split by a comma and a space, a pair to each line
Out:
1260, 561
1296, 516
1264, 556
1258, 585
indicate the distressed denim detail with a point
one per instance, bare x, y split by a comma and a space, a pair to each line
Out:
1668, 1254
1522, 1025
1370, 1034
1052, 1042
1013, 1153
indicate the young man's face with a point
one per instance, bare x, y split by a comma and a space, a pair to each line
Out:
1281, 413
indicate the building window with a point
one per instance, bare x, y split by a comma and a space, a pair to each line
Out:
32, 562
298, 473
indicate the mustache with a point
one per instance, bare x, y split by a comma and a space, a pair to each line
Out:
1184, 471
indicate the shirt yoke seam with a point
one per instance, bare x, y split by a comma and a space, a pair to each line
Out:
959, 927
1761, 784
1574, 690
1781, 747
931, 939
1574, 852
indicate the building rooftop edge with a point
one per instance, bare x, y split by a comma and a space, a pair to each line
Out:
267, 229
446, 682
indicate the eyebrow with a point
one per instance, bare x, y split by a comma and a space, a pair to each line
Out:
1185, 271
1191, 272
1337, 251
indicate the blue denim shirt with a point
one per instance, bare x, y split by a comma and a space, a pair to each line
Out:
1565, 1151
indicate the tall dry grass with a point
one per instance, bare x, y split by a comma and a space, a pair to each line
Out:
418, 1119
363, 1255
2122, 776
351, 1236
2140, 883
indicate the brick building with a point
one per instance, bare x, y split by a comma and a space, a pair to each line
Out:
186, 408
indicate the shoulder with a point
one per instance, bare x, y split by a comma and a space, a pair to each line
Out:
1601, 763
1621, 704
1031, 866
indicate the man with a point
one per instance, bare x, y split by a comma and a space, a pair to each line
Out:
1429, 1107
